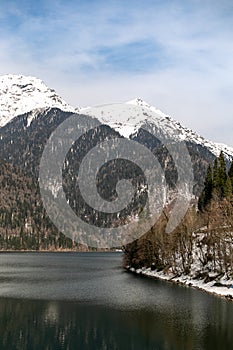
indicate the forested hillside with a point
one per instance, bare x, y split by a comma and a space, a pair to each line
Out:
24, 224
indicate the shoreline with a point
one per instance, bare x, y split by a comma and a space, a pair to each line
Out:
60, 251
221, 291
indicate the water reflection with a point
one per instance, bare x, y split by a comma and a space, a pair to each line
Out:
68, 325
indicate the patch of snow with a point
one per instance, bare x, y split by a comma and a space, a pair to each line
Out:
225, 291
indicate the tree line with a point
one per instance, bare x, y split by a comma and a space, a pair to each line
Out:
218, 182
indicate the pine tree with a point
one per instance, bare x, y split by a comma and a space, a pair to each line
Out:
216, 174
228, 188
207, 192
216, 181
208, 184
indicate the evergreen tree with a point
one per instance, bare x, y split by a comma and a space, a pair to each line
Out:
207, 191
216, 181
228, 188
222, 175
208, 184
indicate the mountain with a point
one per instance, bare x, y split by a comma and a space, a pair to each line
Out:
20, 94
128, 125
142, 125
23, 94
30, 112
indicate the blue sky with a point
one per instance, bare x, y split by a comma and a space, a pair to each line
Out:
176, 55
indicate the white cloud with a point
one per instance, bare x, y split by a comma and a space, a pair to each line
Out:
191, 45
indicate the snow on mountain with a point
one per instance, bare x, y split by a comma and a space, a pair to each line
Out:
183, 133
21, 94
128, 123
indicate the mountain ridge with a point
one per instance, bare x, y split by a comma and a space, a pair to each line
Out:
21, 94
128, 125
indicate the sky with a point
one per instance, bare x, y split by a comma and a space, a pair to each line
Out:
176, 55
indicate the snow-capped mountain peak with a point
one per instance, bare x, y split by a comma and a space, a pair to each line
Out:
127, 123
20, 94
167, 122
139, 102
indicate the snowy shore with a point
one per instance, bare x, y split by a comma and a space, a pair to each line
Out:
222, 287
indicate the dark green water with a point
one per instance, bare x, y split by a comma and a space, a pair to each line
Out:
86, 301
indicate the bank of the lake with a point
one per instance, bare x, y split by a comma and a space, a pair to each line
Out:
222, 287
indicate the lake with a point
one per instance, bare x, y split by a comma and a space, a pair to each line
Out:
87, 301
